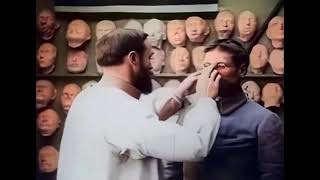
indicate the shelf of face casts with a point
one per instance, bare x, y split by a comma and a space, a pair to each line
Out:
162, 75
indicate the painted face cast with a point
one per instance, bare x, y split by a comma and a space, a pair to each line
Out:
46, 57
176, 33
180, 60
104, 27
77, 61
69, 92
247, 25
224, 24
78, 32
197, 29
156, 31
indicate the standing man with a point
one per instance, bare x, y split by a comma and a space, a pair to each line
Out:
249, 143
110, 134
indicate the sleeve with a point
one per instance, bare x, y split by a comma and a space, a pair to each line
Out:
145, 136
270, 148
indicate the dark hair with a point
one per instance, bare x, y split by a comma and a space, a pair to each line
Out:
239, 53
111, 48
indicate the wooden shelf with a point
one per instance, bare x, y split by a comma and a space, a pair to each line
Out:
162, 75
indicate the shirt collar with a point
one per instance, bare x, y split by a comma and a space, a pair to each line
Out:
227, 105
111, 81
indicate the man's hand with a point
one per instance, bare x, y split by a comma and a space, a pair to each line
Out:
187, 86
213, 84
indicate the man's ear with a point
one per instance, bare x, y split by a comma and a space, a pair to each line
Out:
133, 58
243, 70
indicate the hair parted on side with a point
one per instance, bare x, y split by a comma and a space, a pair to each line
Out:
239, 54
112, 47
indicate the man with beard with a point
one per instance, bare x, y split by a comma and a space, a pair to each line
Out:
249, 143
110, 133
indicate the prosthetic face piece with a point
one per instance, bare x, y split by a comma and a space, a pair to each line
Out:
88, 84
247, 25
47, 122
78, 32
258, 59
197, 29
157, 60
180, 60
48, 159
45, 93
275, 31
69, 92
46, 57
276, 61
155, 84
176, 33
172, 83
156, 31
252, 90
133, 24
46, 22
272, 95
104, 27
77, 61
224, 24
198, 57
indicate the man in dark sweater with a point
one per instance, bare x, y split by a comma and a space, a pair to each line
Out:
249, 144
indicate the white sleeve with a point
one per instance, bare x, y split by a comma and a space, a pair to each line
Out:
143, 135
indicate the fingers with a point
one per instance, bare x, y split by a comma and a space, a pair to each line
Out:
217, 80
213, 75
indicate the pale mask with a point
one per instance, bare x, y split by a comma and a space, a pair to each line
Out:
46, 23
272, 95
156, 31
88, 84
173, 83
275, 31
77, 61
252, 90
247, 25
176, 33
78, 32
198, 57
45, 93
46, 57
180, 60
258, 59
276, 61
47, 122
69, 92
197, 29
155, 84
224, 24
104, 27
157, 60
133, 24
48, 159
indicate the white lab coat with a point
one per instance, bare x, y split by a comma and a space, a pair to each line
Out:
103, 121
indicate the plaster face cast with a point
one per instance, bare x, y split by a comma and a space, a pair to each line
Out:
247, 25
198, 57
180, 60
45, 93
133, 24
276, 61
157, 60
48, 122
104, 27
88, 84
155, 84
224, 24
197, 29
156, 31
69, 92
48, 159
272, 95
258, 59
176, 33
46, 57
78, 32
77, 61
173, 83
46, 23
275, 31
252, 90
